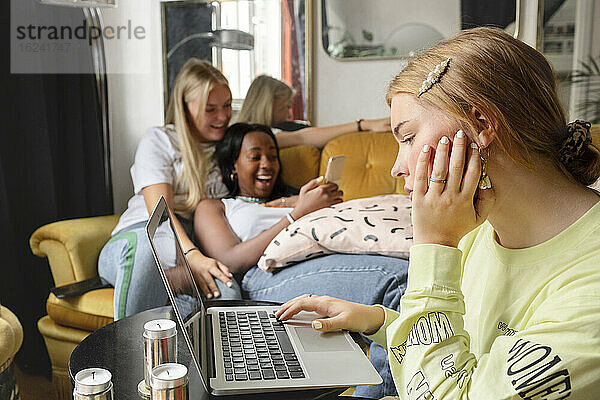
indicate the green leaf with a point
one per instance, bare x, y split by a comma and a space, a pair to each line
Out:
595, 65
368, 36
588, 74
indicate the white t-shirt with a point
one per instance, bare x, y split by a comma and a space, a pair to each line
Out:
158, 160
250, 219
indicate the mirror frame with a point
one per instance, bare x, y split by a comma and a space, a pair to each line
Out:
308, 49
319, 16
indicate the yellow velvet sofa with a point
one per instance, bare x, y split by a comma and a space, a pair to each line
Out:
73, 246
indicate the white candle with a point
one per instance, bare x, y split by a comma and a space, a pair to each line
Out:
160, 328
92, 381
169, 376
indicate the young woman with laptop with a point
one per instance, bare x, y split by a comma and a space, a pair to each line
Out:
503, 296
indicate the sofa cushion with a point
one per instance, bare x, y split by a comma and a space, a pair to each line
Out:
375, 225
369, 160
299, 164
90, 311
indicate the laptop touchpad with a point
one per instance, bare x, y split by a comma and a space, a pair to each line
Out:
312, 340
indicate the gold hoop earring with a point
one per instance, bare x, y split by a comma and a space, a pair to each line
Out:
484, 180
233, 176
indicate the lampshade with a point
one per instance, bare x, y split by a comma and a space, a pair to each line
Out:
80, 3
232, 39
223, 38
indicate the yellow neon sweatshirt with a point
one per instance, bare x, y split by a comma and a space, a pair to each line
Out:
486, 322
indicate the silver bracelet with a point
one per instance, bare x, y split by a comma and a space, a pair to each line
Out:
290, 218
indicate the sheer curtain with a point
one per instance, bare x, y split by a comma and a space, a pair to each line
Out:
51, 168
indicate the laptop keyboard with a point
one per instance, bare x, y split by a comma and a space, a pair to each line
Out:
256, 347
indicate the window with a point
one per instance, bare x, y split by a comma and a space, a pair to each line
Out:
262, 19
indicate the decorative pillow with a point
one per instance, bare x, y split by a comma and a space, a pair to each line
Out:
374, 225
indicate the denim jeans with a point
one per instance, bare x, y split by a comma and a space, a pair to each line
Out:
365, 279
127, 262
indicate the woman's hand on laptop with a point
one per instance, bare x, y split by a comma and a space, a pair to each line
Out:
205, 270
340, 314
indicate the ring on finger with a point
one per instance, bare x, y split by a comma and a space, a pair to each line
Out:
438, 180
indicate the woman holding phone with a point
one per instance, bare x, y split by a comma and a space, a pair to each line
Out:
503, 296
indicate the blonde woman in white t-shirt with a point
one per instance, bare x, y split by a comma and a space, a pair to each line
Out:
174, 161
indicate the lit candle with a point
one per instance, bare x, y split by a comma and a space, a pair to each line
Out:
169, 381
93, 383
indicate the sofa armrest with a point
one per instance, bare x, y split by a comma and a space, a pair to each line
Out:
72, 246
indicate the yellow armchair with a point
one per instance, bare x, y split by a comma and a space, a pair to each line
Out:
72, 248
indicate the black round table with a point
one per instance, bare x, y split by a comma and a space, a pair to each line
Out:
118, 347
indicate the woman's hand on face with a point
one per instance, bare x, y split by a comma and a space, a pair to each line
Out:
314, 196
443, 212
377, 125
205, 270
283, 202
340, 314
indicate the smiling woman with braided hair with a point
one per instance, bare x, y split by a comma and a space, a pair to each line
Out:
503, 294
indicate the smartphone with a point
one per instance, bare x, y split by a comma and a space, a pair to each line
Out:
79, 288
335, 168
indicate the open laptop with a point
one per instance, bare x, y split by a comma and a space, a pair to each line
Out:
245, 349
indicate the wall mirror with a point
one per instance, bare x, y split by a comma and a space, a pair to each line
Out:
244, 39
358, 29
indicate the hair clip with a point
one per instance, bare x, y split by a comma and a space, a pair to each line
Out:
434, 76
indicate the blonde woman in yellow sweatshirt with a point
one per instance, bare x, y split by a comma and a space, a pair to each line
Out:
503, 295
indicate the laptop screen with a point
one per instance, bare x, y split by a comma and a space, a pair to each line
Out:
180, 285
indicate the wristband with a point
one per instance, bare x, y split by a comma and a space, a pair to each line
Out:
185, 253
358, 126
290, 218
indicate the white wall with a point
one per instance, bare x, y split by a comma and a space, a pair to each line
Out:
135, 88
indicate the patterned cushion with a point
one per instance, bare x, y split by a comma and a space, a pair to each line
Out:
375, 225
